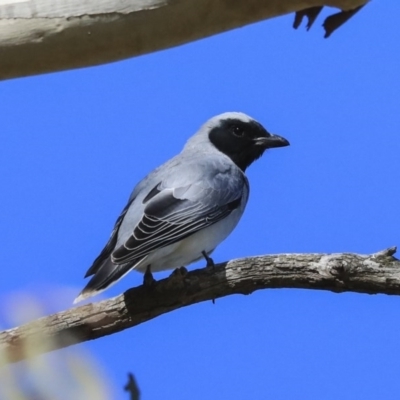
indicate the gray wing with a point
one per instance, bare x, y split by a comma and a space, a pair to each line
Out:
109, 247
172, 214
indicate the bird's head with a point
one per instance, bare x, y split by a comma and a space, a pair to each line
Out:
240, 137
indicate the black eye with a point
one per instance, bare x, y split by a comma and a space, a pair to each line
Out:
238, 131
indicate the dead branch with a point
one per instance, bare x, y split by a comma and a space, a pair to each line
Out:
372, 274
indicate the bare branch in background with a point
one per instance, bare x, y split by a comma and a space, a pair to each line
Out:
39, 36
132, 387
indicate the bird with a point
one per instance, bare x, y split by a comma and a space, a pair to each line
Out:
182, 210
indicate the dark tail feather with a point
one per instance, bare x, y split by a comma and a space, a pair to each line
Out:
105, 276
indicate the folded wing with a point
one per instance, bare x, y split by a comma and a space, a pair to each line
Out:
171, 215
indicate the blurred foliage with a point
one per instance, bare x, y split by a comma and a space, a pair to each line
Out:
65, 374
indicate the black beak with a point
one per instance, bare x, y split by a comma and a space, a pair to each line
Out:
272, 141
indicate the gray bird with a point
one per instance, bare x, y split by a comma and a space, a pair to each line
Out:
185, 208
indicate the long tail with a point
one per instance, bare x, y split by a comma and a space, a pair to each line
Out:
107, 275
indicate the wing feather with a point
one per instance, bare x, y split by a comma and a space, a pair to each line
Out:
109, 247
167, 219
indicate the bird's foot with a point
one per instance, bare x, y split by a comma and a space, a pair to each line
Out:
210, 261
148, 279
178, 278
180, 272
210, 265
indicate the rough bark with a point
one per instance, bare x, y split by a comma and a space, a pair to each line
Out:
376, 273
38, 36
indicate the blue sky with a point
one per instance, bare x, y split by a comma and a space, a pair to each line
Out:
75, 143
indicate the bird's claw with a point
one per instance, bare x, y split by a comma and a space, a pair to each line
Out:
180, 272
148, 279
210, 261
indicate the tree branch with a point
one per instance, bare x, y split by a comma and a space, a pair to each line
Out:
38, 36
376, 273
132, 387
